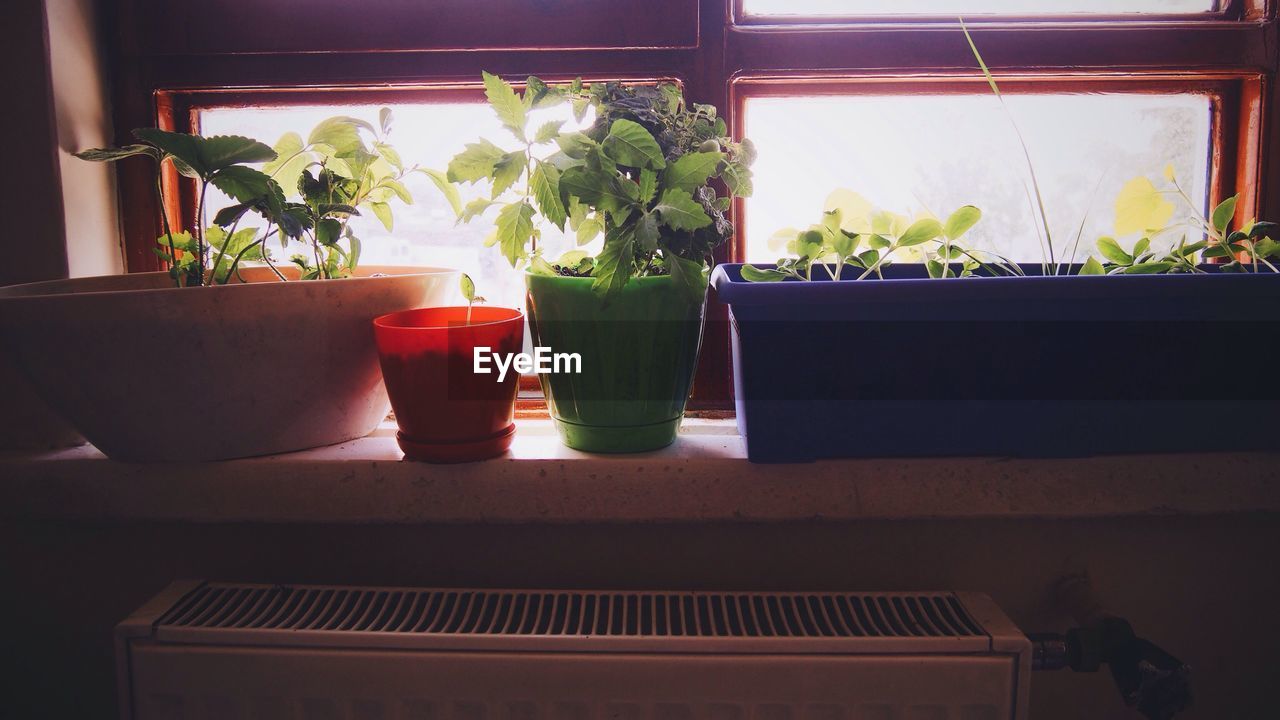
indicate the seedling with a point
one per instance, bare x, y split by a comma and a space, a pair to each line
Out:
469, 292
871, 239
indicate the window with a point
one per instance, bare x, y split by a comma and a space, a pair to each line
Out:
883, 97
933, 153
973, 7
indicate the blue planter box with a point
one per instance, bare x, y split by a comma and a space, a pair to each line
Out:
1027, 366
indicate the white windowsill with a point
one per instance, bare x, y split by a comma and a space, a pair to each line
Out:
703, 477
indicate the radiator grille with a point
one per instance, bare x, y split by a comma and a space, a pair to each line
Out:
571, 613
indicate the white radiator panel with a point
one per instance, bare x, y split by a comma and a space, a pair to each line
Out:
274, 684
234, 651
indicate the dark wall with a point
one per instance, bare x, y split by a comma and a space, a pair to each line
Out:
33, 244
1203, 587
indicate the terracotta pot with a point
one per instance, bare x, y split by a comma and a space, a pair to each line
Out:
446, 411
148, 372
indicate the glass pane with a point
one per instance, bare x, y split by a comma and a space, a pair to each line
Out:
973, 7
425, 233
935, 153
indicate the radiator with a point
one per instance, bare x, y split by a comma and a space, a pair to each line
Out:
217, 650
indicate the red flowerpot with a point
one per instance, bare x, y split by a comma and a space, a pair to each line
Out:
446, 411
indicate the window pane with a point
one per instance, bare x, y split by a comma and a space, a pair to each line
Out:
425, 233
973, 7
914, 154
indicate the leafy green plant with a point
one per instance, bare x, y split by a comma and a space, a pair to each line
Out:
644, 174
347, 174
345, 164
1143, 208
853, 234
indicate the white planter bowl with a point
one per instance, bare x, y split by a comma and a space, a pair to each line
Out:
152, 373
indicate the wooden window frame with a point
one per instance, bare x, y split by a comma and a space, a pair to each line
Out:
722, 61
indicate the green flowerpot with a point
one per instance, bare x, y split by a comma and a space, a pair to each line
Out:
639, 352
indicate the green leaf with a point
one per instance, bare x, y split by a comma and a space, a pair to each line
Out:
508, 106
1263, 229
398, 188
538, 95
598, 188
468, 288
231, 214
539, 266
450, 191
1092, 267
921, 231
1149, 268
383, 212
341, 133
751, 273
1112, 251
691, 171
647, 232
1267, 248
961, 221
476, 162
738, 179
507, 171
328, 230
289, 163
120, 153
548, 131
576, 145
629, 143
809, 245
680, 211
1224, 213
845, 244
181, 240
546, 189
648, 186
388, 153
223, 151
615, 262
475, 208
1141, 208
515, 227
688, 275
583, 184
1141, 247
986, 72
588, 230
243, 183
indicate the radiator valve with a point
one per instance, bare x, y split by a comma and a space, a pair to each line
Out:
1150, 680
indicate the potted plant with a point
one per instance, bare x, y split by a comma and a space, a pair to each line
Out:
839, 351
448, 412
226, 354
646, 175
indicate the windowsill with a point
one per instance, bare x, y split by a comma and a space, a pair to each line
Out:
704, 477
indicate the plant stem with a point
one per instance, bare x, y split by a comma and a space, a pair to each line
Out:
266, 255
235, 262
200, 248
164, 222
222, 251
